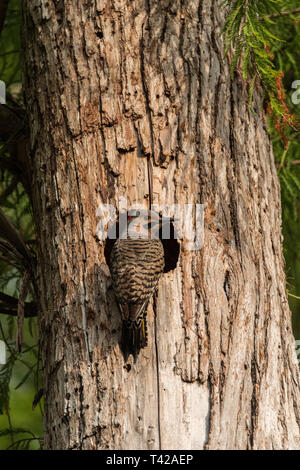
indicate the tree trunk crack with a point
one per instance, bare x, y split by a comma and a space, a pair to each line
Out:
157, 370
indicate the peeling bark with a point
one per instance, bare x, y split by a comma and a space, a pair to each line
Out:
122, 96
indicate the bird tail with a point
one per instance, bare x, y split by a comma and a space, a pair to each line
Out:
134, 337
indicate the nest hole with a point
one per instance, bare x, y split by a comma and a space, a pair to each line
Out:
171, 247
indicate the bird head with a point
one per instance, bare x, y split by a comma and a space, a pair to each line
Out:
143, 223
140, 223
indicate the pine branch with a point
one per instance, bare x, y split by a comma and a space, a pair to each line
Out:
293, 162
9, 233
21, 308
9, 306
12, 119
282, 13
248, 32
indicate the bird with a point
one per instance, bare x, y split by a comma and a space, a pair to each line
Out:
136, 264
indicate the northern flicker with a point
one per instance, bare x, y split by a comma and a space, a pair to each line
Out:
136, 264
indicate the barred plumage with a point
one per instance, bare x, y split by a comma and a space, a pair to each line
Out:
136, 266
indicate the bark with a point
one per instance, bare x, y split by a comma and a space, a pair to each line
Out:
114, 89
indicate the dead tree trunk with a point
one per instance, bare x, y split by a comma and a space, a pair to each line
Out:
114, 89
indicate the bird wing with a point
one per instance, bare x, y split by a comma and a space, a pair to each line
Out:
133, 311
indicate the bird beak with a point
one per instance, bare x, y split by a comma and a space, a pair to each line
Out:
150, 224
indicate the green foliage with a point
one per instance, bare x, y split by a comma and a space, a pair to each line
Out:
20, 377
10, 70
20, 425
19, 444
250, 29
266, 50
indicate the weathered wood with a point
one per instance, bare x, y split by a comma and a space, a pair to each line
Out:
109, 85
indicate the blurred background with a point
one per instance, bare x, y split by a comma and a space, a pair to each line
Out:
21, 402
